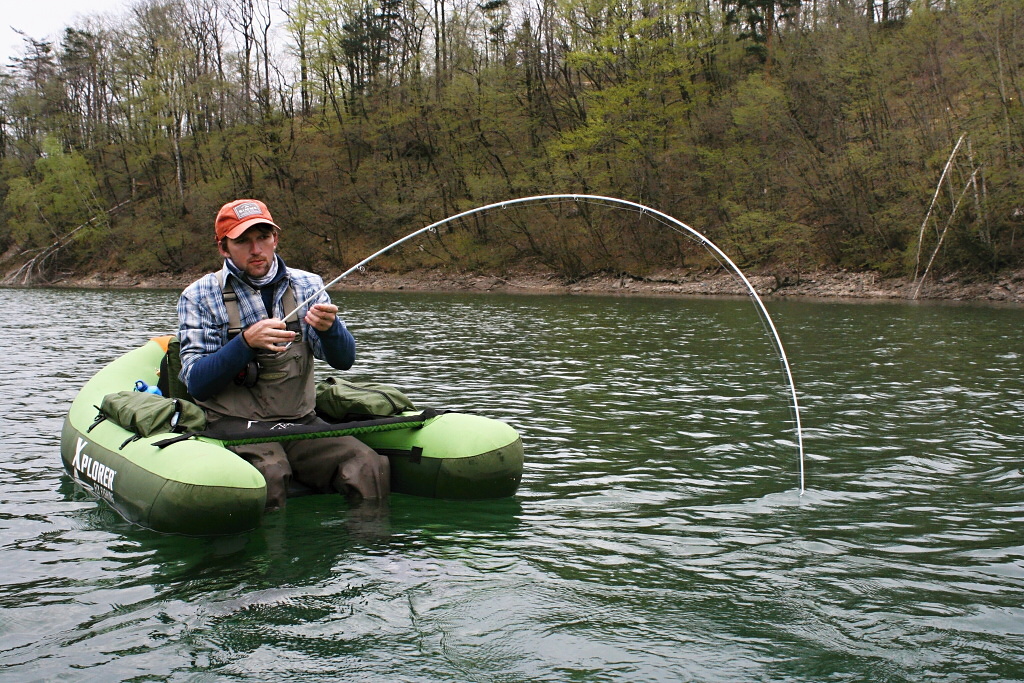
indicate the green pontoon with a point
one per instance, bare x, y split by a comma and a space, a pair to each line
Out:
197, 486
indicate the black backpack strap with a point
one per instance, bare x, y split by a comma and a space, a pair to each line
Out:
100, 417
175, 439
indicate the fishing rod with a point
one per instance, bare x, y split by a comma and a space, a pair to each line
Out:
672, 223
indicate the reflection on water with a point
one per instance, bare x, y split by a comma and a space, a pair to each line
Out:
658, 534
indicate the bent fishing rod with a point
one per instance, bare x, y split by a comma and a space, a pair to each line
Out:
673, 224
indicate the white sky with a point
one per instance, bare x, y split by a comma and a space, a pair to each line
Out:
46, 19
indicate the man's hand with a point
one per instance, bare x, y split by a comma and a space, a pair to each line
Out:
321, 316
269, 334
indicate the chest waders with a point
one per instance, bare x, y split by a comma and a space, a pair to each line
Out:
285, 390
283, 386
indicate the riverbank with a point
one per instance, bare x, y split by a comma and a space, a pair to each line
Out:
1005, 288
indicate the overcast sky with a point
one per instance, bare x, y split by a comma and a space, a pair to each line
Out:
46, 18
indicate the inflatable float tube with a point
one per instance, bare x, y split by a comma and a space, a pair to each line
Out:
196, 486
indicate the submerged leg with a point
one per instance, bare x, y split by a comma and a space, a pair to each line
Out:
343, 464
272, 462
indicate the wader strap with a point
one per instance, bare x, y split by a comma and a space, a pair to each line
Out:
234, 313
288, 302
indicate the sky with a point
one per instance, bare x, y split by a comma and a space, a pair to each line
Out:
46, 18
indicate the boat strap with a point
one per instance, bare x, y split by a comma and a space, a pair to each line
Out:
237, 432
415, 454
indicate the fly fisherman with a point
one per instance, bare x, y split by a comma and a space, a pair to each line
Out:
239, 359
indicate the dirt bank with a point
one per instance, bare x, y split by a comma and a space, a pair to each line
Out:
1006, 287
838, 284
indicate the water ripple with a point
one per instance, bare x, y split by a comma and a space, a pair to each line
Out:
658, 534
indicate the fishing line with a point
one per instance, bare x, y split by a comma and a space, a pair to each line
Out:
673, 224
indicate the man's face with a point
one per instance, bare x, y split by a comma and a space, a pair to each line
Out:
253, 252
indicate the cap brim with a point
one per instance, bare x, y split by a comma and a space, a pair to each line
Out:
239, 229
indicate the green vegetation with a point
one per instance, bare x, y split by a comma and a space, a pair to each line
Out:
794, 135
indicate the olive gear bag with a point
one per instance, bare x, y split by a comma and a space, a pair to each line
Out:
350, 401
145, 414
170, 367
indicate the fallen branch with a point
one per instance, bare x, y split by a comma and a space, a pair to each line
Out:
935, 198
949, 221
38, 262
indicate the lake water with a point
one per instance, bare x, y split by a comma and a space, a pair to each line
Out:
659, 533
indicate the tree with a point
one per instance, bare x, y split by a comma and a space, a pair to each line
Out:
47, 207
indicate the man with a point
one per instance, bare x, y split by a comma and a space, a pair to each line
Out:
239, 359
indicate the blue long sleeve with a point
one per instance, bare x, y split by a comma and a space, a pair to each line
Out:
338, 344
210, 365
214, 371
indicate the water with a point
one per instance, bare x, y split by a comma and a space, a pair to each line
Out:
659, 533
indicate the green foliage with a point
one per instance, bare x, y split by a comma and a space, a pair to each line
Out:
60, 195
823, 150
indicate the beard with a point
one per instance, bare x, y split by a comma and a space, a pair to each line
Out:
257, 268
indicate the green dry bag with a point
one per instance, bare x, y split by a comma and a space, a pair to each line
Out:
349, 401
146, 414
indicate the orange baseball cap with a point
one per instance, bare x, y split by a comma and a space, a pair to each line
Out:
236, 217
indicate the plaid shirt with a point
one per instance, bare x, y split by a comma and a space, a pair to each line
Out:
203, 317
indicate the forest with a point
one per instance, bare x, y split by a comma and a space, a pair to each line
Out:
869, 135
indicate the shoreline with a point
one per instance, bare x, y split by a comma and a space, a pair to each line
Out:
1007, 288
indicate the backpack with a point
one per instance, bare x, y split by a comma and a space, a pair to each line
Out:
145, 414
349, 401
170, 367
